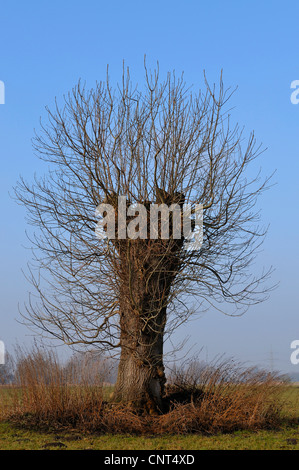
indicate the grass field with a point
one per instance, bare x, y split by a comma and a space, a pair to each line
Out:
287, 437
12, 438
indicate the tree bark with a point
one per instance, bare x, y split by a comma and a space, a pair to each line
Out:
147, 269
141, 378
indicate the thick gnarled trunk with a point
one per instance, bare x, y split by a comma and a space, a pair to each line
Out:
141, 378
146, 271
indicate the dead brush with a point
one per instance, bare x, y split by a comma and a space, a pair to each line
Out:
223, 397
218, 398
48, 394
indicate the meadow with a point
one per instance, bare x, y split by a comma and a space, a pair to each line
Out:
286, 437
224, 407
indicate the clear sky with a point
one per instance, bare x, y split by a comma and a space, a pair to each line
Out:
46, 46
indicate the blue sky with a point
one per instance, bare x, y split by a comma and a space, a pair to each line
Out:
46, 46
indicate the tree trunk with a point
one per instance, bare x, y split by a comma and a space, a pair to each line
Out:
141, 378
146, 271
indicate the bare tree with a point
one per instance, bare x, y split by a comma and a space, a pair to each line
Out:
160, 145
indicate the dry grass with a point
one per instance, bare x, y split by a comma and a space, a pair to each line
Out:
47, 394
222, 397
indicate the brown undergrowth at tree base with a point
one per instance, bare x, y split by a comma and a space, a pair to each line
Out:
218, 398
207, 417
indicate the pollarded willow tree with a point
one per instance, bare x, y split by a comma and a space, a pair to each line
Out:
159, 145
